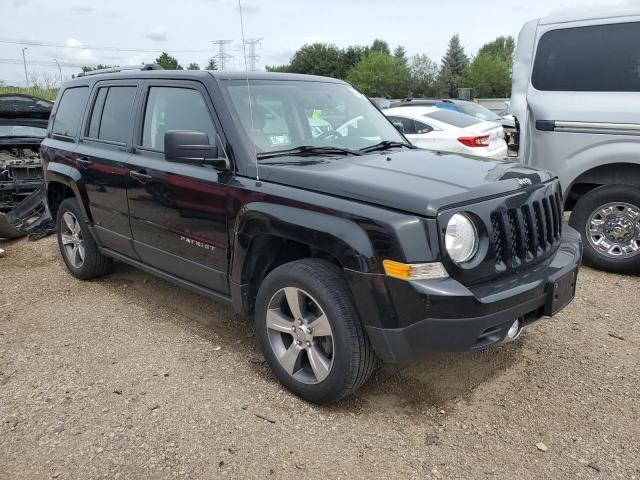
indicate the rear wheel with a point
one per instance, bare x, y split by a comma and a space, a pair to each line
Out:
79, 250
309, 332
608, 219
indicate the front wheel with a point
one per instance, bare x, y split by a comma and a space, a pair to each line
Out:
309, 332
608, 219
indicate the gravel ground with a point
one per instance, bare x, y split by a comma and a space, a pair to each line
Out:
131, 377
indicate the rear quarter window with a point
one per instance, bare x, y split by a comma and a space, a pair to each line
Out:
69, 112
598, 58
450, 117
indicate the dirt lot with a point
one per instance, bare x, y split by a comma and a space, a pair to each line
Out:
130, 377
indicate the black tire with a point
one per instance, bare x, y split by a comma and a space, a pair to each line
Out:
353, 356
589, 203
94, 264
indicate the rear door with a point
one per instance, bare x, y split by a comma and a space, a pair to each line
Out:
583, 96
178, 211
101, 158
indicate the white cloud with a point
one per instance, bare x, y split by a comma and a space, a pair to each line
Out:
157, 34
83, 9
77, 53
20, 3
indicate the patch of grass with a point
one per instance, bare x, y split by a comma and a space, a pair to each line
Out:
47, 94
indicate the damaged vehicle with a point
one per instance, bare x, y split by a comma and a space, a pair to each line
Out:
23, 125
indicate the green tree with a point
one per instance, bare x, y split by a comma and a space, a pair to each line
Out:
318, 59
168, 62
351, 56
502, 47
381, 75
212, 65
193, 66
100, 66
489, 76
401, 55
454, 65
424, 76
278, 68
380, 46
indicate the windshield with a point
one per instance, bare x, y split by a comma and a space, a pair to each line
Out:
21, 131
288, 114
478, 111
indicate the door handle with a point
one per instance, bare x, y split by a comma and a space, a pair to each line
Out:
84, 162
140, 175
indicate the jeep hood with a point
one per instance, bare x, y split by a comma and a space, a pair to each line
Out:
418, 181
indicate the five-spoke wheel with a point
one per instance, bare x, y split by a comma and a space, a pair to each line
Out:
71, 237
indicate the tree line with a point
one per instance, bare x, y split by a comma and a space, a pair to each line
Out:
379, 72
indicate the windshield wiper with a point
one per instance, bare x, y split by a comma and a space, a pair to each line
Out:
308, 150
386, 145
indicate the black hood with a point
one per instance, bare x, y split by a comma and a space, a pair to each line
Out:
18, 109
417, 181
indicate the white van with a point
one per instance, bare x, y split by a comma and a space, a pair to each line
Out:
576, 96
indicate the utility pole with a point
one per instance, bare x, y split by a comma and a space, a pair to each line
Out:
24, 62
59, 70
223, 58
252, 58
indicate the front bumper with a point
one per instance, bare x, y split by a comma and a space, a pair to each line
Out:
446, 316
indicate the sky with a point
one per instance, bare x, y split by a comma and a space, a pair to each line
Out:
136, 31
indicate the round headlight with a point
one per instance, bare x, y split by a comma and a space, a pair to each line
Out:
461, 238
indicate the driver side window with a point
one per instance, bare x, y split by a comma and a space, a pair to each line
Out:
174, 108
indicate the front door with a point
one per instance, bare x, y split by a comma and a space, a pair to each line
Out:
178, 210
101, 158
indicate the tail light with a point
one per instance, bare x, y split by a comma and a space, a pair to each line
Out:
475, 141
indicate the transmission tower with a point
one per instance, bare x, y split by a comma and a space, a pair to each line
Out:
222, 58
252, 57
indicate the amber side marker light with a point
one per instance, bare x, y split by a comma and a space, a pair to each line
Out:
414, 271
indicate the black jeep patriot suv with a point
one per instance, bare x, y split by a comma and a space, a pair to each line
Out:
295, 201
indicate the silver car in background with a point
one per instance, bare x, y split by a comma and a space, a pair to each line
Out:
576, 96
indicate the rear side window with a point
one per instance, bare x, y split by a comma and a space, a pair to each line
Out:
111, 115
70, 110
456, 119
599, 58
408, 125
174, 108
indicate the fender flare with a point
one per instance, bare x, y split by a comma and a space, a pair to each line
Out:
342, 239
72, 178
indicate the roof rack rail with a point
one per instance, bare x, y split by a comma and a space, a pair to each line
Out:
148, 66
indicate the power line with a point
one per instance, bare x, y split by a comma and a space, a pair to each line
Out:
45, 63
222, 57
35, 43
252, 58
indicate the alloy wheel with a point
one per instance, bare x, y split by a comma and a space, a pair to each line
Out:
300, 335
72, 241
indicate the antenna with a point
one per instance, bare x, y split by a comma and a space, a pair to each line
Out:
246, 71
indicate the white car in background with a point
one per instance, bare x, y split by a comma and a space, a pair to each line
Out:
443, 130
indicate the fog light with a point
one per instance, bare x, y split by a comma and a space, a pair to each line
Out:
514, 331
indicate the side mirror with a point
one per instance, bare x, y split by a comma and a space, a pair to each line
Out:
399, 126
190, 146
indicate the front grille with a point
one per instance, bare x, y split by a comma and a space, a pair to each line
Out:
528, 232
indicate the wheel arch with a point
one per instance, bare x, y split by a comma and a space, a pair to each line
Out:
619, 173
267, 236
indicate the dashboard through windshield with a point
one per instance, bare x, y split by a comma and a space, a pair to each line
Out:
286, 114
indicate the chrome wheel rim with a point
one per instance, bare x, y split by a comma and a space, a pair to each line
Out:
613, 230
72, 241
300, 335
